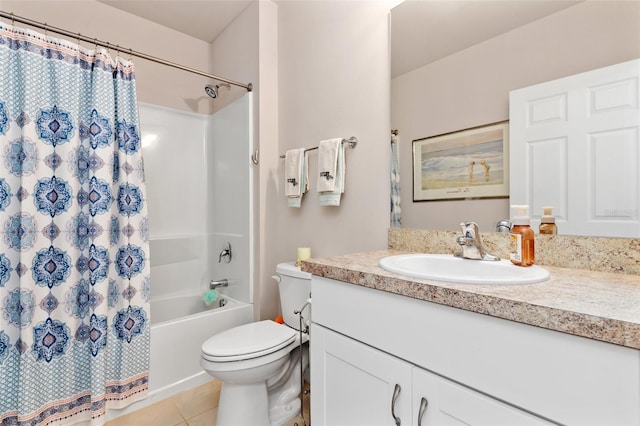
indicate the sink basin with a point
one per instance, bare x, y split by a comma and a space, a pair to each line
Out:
446, 267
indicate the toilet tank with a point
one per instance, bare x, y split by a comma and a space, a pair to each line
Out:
295, 290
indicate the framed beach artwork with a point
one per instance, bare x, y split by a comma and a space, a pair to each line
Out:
470, 163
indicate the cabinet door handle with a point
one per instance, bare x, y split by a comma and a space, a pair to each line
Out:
423, 408
396, 392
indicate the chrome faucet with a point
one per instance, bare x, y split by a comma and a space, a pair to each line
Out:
218, 283
471, 243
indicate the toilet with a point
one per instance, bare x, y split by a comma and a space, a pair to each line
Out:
259, 363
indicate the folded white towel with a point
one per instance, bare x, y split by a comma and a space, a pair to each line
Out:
293, 172
304, 182
327, 163
332, 198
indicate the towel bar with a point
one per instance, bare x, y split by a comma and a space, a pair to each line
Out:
352, 141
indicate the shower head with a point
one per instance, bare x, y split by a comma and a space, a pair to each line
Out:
212, 91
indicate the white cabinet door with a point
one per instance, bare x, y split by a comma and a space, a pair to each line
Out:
575, 145
355, 384
437, 401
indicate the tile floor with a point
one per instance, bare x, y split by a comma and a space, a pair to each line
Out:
195, 407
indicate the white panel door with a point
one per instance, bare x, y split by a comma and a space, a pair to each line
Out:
575, 145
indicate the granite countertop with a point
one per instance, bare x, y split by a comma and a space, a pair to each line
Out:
598, 305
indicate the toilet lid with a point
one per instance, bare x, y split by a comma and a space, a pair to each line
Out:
248, 341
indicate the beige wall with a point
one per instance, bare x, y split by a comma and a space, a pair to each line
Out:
471, 88
235, 53
333, 82
155, 83
266, 205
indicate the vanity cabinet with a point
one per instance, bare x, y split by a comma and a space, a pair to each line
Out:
471, 368
360, 385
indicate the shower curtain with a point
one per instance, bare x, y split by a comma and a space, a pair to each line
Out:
74, 267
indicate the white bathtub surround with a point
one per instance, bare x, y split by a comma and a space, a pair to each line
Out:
229, 207
199, 184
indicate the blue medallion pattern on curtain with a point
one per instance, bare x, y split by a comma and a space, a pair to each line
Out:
74, 244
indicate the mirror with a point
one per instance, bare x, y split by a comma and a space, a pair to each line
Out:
453, 64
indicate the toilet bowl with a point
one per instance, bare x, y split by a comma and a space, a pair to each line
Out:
259, 363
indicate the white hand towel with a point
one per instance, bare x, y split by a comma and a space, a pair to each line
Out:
293, 172
332, 198
327, 163
304, 183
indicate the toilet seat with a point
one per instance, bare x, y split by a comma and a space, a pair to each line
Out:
248, 341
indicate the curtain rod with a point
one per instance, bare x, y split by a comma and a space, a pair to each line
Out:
95, 41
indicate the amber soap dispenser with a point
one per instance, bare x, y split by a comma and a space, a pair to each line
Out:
548, 222
522, 249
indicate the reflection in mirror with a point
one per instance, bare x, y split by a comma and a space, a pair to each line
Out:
455, 62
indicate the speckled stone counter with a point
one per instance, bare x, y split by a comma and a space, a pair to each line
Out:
591, 253
598, 305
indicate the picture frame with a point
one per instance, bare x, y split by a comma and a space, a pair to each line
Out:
466, 164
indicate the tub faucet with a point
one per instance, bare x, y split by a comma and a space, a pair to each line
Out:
218, 283
471, 243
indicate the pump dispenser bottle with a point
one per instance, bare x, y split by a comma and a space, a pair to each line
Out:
522, 250
548, 222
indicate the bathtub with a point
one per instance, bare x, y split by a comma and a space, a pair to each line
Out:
179, 326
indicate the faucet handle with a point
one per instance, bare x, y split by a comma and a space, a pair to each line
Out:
226, 253
470, 230
504, 226
471, 243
